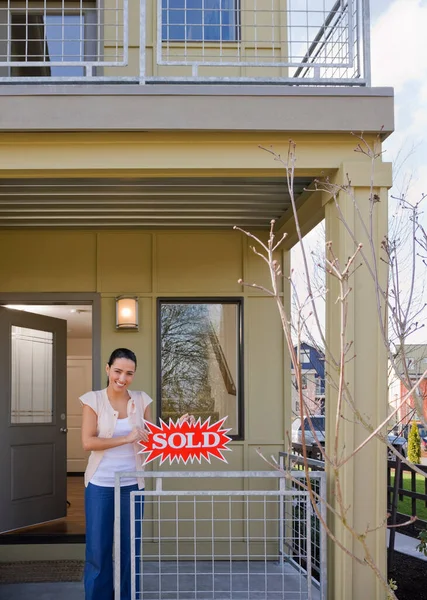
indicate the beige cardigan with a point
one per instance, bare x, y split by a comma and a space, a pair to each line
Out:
107, 417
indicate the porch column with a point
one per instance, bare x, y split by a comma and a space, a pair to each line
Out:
363, 478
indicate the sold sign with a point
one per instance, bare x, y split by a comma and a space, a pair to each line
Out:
185, 441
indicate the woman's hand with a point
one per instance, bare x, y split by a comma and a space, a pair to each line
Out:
187, 419
91, 441
136, 435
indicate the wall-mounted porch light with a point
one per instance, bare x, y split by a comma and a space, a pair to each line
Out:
126, 312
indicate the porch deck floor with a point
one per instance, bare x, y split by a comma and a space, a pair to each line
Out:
293, 588
223, 580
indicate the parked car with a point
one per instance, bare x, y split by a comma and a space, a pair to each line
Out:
318, 424
399, 442
422, 429
404, 432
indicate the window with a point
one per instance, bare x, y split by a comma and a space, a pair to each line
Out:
31, 376
303, 382
410, 363
50, 36
200, 360
200, 20
305, 356
320, 386
317, 423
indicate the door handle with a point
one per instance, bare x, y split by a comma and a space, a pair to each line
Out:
63, 430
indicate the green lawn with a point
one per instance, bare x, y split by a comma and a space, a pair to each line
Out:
405, 506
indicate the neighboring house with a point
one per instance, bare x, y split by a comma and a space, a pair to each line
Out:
313, 381
411, 363
129, 148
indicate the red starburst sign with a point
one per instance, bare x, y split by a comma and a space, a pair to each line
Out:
185, 441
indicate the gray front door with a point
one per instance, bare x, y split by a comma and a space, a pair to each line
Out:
33, 425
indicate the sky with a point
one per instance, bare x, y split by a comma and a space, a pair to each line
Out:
399, 60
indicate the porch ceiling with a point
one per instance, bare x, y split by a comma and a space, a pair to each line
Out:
217, 203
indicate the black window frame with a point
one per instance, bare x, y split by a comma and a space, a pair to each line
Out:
236, 300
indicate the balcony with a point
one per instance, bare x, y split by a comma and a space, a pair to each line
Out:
287, 42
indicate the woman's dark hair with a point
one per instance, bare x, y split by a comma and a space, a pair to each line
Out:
120, 353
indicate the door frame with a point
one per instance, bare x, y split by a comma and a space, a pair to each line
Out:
83, 298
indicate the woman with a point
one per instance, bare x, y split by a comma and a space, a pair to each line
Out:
113, 422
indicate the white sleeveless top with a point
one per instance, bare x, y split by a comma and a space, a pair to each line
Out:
106, 422
121, 458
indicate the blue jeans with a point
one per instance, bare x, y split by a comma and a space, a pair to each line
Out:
99, 508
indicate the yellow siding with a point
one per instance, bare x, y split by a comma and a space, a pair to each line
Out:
48, 261
166, 154
200, 263
149, 265
264, 364
124, 262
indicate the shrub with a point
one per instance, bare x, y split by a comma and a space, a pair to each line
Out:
422, 546
414, 445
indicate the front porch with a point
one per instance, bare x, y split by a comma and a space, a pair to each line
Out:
70, 225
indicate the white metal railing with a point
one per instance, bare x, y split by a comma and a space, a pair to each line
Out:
223, 535
318, 535
309, 42
63, 39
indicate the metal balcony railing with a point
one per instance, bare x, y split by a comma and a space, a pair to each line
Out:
308, 42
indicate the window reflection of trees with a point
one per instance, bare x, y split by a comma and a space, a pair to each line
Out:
185, 360
194, 369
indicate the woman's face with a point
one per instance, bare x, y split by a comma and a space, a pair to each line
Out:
121, 373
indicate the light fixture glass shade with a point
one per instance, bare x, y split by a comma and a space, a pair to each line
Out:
126, 312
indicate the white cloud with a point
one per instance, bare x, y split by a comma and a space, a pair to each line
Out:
399, 59
398, 44
418, 186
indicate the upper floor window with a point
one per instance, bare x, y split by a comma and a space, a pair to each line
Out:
200, 360
410, 363
303, 382
48, 36
200, 20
